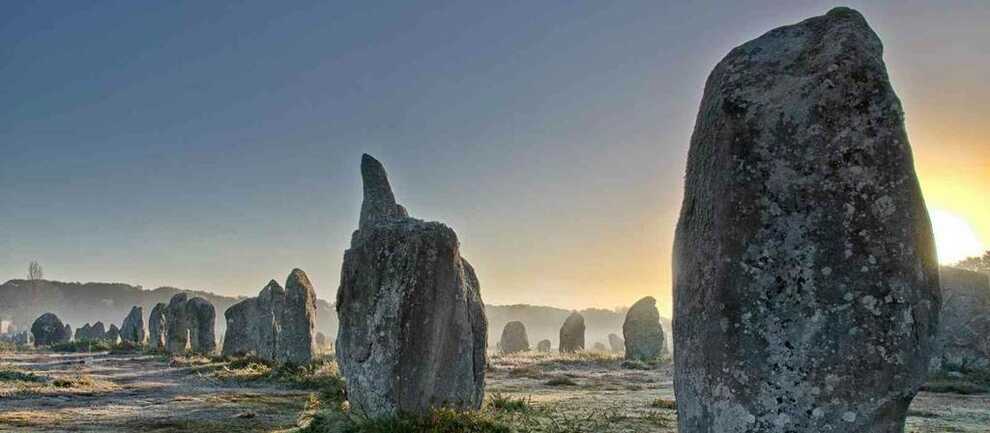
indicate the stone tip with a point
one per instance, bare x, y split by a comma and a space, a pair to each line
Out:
297, 278
379, 201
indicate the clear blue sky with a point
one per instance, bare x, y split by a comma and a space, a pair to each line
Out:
212, 145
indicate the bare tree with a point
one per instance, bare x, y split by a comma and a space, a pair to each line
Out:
34, 271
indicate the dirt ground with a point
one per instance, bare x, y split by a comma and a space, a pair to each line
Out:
143, 393
138, 393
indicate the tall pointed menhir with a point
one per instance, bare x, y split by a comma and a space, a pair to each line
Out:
412, 332
805, 281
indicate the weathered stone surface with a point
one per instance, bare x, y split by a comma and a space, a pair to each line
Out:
295, 339
189, 324
642, 331
202, 334
805, 280
616, 343
572, 333
276, 326
157, 326
412, 329
514, 338
177, 324
132, 328
48, 329
964, 328
544, 346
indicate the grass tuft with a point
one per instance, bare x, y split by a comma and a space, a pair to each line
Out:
663, 403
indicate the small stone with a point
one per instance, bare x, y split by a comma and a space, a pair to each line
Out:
514, 338
572, 334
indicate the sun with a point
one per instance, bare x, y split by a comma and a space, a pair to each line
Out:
954, 237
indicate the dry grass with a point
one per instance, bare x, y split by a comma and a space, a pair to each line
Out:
15, 382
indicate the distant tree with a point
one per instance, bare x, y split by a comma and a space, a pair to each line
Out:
976, 264
34, 271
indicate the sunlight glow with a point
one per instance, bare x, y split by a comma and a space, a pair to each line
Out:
954, 237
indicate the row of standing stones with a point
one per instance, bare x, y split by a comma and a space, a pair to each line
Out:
277, 326
644, 338
806, 290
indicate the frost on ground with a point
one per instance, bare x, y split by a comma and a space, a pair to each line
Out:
527, 392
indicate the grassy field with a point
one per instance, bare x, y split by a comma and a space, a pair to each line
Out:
527, 393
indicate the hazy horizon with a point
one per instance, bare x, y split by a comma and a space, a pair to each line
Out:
215, 147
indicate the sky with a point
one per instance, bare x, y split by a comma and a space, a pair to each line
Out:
216, 146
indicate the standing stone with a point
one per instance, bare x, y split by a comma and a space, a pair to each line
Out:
48, 329
157, 327
83, 332
616, 343
572, 334
514, 338
177, 324
412, 332
132, 329
295, 339
189, 324
805, 281
112, 334
268, 313
964, 328
202, 324
642, 331
543, 346
98, 332
276, 326
599, 347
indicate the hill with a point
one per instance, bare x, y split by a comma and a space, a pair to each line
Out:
22, 301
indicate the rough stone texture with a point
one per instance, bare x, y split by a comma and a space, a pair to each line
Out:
48, 329
964, 329
177, 324
412, 329
616, 343
276, 326
189, 324
295, 339
805, 280
113, 333
514, 338
132, 328
572, 333
202, 334
156, 327
544, 346
644, 335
